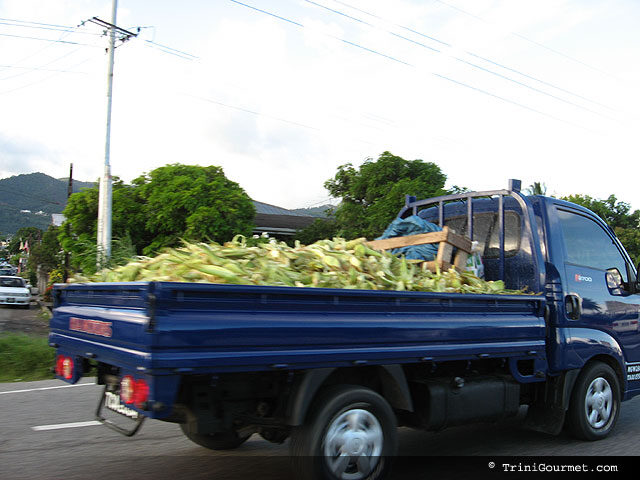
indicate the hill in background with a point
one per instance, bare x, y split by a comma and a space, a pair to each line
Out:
41, 194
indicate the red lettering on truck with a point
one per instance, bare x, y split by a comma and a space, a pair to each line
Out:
94, 327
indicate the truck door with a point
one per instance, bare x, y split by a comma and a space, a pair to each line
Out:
594, 298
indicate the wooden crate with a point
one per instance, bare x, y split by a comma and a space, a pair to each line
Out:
447, 240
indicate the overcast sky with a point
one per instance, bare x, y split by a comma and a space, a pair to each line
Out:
279, 93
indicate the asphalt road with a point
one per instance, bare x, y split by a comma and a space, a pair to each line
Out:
40, 438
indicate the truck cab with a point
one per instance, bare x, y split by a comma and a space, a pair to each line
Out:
569, 255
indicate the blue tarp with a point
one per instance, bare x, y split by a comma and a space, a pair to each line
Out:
412, 225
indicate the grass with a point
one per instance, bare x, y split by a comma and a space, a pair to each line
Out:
25, 358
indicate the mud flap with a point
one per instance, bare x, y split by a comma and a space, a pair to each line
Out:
547, 414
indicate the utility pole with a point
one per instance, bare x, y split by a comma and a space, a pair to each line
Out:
70, 184
105, 197
104, 202
69, 193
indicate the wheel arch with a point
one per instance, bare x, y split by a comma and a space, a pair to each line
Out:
615, 365
388, 380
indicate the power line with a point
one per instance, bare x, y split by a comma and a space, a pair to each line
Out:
522, 37
486, 70
254, 112
37, 52
43, 79
26, 71
38, 69
338, 12
34, 23
443, 77
57, 59
45, 39
542, 92
348, 42
395, 24
170, 50
52, 28
539, 81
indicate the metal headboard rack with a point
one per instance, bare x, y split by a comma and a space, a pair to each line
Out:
412, 204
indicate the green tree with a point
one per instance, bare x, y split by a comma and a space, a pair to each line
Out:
159, 209
616, 213
372, 195
195, 203
320, 228
47, 252
29, 235
536, 188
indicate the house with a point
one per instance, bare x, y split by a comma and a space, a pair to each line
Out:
277, 221
57, 219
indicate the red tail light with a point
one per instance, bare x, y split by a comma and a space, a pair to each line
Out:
141, 393
64, 367
59, 360
67, 368
134, 391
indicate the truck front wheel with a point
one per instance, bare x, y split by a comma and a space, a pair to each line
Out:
350, 433
595, 402
215, 441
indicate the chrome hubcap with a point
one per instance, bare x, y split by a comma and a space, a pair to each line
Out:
353, 444
599, 403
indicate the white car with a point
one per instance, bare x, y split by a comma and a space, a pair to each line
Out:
14, 291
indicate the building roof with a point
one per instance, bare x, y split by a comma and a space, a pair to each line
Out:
57, 219
273, 210
277, 220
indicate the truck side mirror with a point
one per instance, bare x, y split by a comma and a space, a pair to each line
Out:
615, 284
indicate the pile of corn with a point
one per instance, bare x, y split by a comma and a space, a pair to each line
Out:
333, 263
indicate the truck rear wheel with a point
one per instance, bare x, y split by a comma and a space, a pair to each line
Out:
215, 441
595, 402
350, 434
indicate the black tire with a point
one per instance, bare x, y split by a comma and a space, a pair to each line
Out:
215, 441
595, 402
350, 418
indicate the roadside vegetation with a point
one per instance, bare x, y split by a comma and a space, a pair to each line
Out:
25, 358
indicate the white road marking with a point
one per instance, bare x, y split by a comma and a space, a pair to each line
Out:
47, 388
66, 425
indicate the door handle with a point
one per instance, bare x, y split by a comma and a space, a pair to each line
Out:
572, 306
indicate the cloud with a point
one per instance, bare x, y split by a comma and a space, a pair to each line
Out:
19, 155
279, 106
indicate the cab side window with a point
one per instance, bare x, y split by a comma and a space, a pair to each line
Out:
588, 244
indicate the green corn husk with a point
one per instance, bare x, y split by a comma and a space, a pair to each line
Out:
333, 263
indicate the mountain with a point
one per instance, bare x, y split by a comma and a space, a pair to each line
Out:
38, 193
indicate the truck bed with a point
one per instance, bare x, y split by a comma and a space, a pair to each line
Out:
170, 327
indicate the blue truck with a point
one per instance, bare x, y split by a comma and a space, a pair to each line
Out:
337, 371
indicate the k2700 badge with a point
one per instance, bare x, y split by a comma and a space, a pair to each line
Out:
94, 327
582, 278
